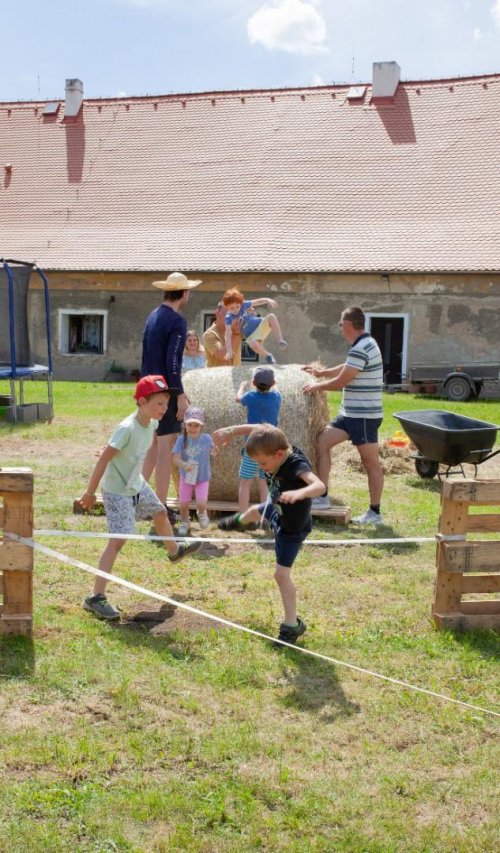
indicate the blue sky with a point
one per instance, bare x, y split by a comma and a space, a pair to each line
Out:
137, 47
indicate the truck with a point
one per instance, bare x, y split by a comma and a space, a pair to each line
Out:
458, 382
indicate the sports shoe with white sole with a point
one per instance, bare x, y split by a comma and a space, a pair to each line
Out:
184, 549
100, 606
184, 528
369, 517
322, 502
203, 520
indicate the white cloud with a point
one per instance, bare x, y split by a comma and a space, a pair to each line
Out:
495, 13
477, 34
295, 26
317, 80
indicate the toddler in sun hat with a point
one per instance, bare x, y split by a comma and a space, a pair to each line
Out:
191, 454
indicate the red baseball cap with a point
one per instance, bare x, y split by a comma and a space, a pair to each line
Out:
149, 385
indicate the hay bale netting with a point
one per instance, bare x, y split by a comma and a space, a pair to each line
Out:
214, 389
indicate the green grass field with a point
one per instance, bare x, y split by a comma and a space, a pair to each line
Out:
167, 732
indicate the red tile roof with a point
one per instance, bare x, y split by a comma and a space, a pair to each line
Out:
278, 180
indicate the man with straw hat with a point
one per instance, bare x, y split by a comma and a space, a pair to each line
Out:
162, 349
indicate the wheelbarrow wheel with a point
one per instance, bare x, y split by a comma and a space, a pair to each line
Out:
425, 468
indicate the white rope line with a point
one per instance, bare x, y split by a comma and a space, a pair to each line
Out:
76, 534
49, 552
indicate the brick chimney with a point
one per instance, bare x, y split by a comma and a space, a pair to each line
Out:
74, 98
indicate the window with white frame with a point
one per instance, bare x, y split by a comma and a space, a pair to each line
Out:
82, 331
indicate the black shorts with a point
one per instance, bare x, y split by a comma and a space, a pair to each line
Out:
169, 425
360, 430
286, 545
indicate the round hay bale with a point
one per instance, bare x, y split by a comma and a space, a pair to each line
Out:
214, 389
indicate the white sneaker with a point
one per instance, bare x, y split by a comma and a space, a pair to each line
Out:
203, 520
369, 517
184, 529
321, 503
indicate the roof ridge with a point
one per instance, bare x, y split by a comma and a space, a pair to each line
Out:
282, 90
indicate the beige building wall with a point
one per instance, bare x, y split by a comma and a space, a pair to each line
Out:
451, 317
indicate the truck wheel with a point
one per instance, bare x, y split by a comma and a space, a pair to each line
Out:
425, 468
457, 389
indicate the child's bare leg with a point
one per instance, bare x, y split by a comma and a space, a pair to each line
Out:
252, 514
244, 490
164, 528
107, 562
283, 577
258, 347
263, 490
184, 511
275, 327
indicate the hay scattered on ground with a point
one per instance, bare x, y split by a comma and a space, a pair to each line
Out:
214, 389
395, 460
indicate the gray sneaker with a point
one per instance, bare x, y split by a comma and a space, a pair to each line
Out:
369, 517
100, 606
321, 503
184, 549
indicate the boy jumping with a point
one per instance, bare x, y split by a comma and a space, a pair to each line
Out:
253, 329
125, 493
292, 485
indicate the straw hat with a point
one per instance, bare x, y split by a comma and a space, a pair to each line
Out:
177, 281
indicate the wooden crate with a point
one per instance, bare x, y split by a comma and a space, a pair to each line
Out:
337, 514
16, 560
467, 567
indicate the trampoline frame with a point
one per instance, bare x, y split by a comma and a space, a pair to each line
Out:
19, 374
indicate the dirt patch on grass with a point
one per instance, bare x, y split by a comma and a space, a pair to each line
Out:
163, 619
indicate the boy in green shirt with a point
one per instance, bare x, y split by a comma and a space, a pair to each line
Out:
126, 495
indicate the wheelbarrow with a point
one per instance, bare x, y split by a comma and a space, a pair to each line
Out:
443, 438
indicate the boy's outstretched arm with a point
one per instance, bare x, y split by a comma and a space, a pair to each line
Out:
313, 489
87, 500
264, 300
224, 436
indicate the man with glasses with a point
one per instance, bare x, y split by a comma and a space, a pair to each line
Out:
360, 414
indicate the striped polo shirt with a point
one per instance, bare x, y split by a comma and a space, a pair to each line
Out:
362, 398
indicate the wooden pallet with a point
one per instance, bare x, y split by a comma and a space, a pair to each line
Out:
467, 567
16, 560
337, 514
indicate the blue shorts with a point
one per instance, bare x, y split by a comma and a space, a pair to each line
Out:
249, 469
359, 430
286, 545
169, 425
